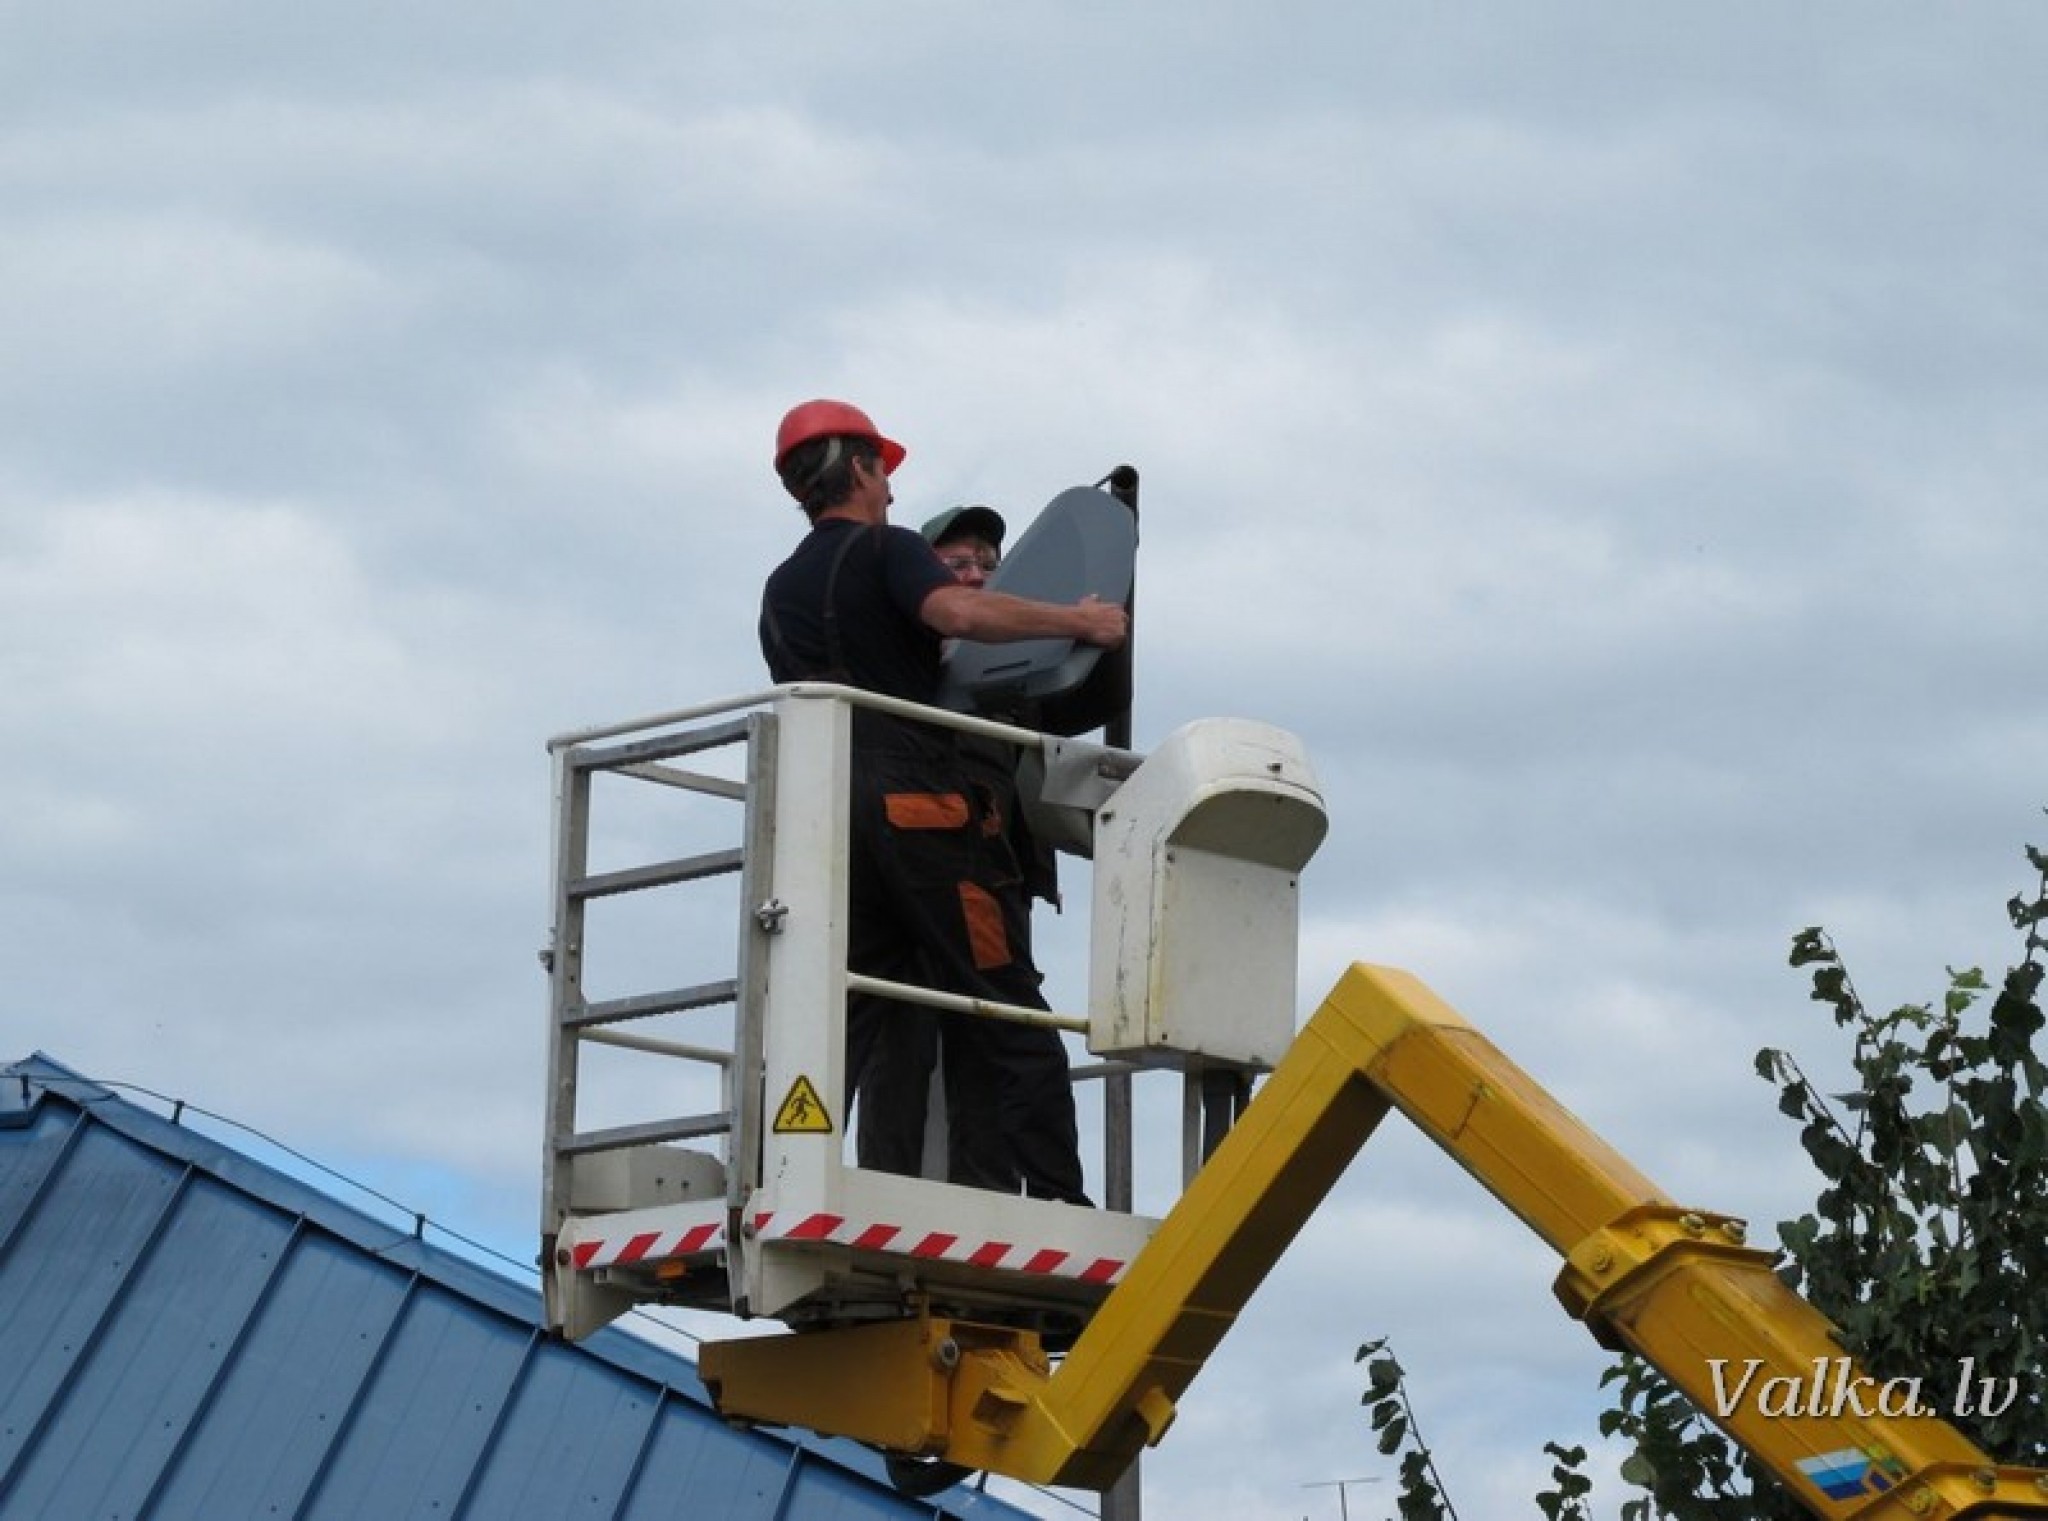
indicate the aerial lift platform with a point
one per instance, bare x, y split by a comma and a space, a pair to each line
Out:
961, 1330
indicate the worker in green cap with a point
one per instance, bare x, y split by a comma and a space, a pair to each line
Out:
1034, 1086
969, 541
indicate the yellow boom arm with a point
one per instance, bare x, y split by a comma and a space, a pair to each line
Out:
1678, 1287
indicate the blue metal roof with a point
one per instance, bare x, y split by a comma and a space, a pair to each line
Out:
189, 1333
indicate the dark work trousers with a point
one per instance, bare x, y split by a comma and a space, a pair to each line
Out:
935, 898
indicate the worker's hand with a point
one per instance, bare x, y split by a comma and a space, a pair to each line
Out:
1103, 623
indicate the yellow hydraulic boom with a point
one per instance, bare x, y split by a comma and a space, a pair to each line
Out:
1677, 1286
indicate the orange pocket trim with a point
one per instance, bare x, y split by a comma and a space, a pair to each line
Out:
926, 810
986, 937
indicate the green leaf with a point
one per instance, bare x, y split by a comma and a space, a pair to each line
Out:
1811, 945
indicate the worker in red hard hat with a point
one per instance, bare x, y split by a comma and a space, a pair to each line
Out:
822, 421
935, 895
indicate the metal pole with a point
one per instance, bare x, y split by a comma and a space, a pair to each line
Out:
1343, 1488
1124, 1500
1121, 483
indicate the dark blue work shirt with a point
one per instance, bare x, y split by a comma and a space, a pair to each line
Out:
875, 579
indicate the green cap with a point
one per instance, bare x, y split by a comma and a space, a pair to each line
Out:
970, 521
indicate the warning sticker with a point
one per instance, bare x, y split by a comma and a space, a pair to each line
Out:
803, 1112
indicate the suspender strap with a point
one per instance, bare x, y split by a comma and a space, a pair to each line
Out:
835, 668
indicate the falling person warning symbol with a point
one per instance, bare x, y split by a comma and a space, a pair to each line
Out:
802, 1111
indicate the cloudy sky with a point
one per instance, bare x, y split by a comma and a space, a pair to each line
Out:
1611, 435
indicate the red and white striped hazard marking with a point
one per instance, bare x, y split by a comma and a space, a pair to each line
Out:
870, 1236
1017, 1257
650, 1246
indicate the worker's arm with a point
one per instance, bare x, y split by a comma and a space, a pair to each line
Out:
964, 612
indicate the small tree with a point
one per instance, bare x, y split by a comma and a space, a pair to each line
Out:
1927, 1244
1421, 1496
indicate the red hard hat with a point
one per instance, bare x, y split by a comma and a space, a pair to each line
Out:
829, 419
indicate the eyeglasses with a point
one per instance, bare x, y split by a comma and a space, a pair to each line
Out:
956, 563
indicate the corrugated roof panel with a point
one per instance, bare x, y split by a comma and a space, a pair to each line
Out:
751, 1489
190, 1334
570, 1440
425, 1415
162, 1341
302, 1364
66, 1266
